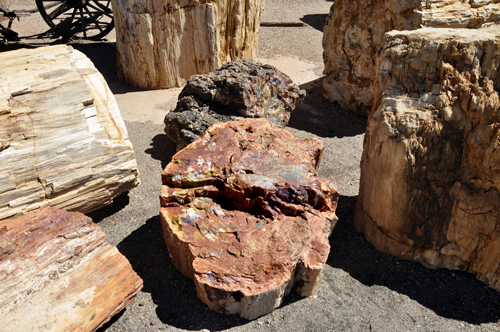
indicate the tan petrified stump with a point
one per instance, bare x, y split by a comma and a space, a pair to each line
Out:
162, 43
58, 273
245, 216
63, 141
354, 33
430, 171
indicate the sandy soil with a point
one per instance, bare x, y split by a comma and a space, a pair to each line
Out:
360, 289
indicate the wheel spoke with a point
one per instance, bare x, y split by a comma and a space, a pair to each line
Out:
51, 5
105, 8
92, 18
92, 21
83, 24
59, 10
72, 18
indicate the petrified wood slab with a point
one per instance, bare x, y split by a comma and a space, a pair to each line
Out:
63, 141
58, 273
241, 88
430, 171
245, 216
354, 33
163, 43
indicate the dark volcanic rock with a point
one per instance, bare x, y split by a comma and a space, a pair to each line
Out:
241, 88
245, 216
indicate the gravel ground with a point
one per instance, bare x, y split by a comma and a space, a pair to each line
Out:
360, 289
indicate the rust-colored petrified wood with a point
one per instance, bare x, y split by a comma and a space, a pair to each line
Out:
245, 216
58, 273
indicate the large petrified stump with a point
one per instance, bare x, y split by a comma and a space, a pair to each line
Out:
58, 273
163, 43
430, 171
63, 141
241, 88
354, 33
245, 216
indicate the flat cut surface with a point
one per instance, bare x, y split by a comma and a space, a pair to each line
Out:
245, 216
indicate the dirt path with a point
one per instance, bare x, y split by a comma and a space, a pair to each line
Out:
361, 289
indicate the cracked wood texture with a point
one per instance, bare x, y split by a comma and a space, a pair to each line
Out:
58, 273
162, 43
354, 32
245, 216
430, 170
63, 141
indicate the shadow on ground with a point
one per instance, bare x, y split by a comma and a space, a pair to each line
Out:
450, 294
173, 293
162, 149
323, 118
119, 203
317, 21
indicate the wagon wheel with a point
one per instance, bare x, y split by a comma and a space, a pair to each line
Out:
78, 19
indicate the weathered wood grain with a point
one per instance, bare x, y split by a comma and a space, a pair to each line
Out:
430, 171
163, 43
354, 32
58, 273
63, 141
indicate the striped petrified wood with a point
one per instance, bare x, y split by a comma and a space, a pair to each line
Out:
63, 141
245, 216
161, 43
58, 273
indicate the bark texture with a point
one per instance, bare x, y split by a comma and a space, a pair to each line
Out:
245, 216
241, 88
62, 138
58, 273
163, 43
354, 33
430, 171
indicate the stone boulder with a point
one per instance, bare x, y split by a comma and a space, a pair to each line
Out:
58, 273
354, 33
241, 88
63, 141
430, 170
245, 216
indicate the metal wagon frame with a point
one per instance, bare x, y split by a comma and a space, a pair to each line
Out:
70, 19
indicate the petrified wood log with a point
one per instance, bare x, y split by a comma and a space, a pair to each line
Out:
430, 171
245, 216
62, 138
163, 43
58, 273
354, 33
241, 88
